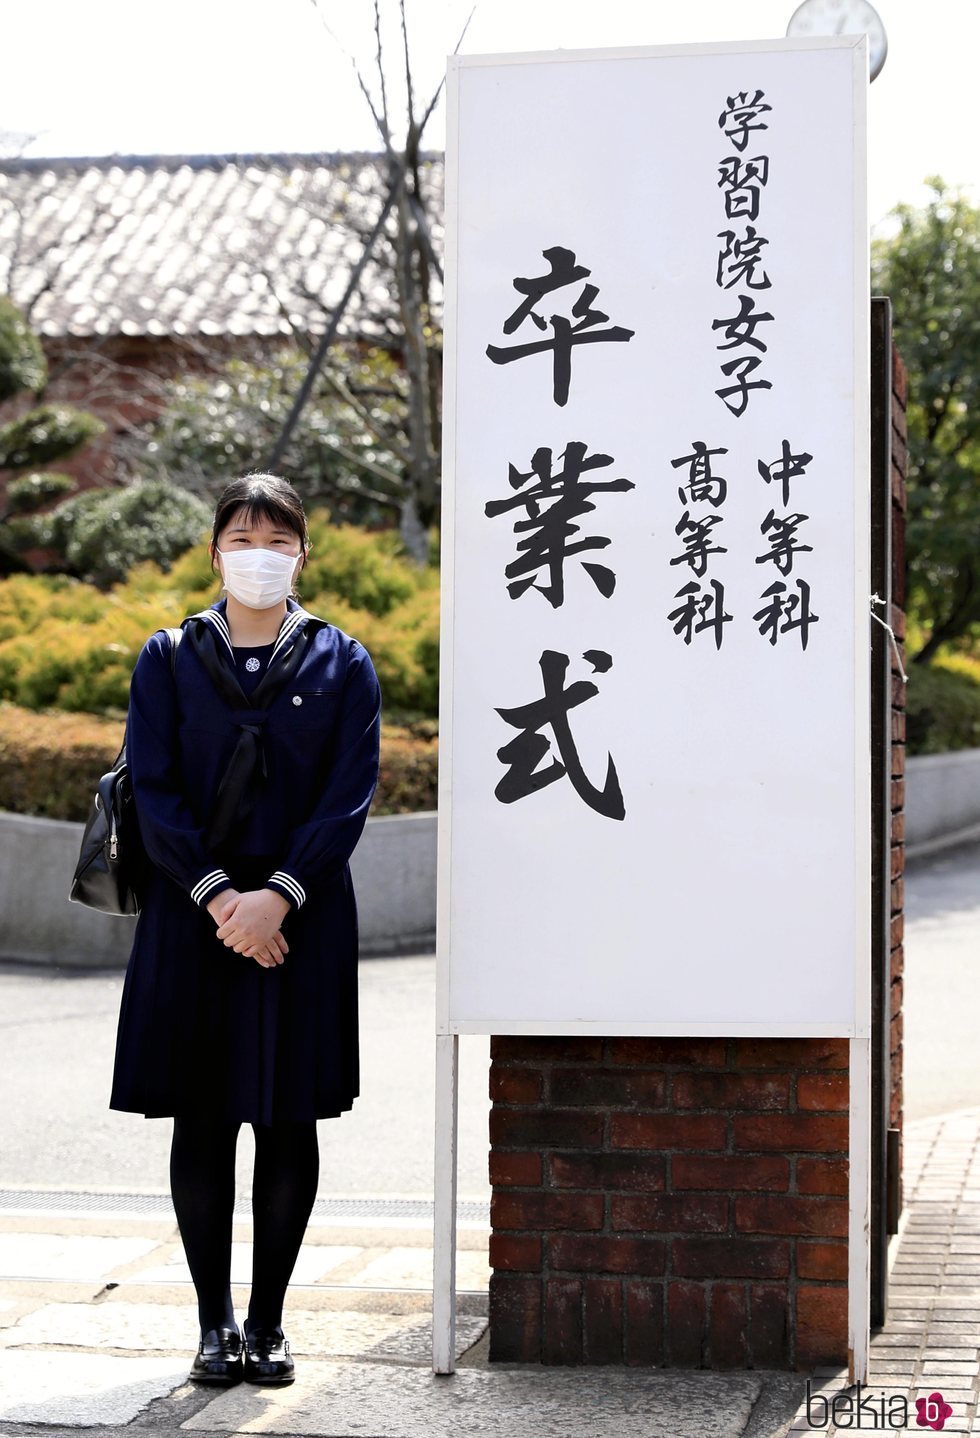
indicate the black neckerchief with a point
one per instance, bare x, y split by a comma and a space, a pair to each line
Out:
246, 770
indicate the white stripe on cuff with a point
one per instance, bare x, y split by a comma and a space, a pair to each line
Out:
208, 882
291, 885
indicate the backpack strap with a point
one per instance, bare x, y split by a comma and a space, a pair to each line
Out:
175, 636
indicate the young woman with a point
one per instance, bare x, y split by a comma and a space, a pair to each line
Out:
253, 753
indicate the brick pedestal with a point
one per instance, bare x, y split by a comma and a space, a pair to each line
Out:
669, 1201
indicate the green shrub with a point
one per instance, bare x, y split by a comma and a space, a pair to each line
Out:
943, 706
51, 762
368, 571
66, 645
29, 491
49, 432
103, 533
22, 362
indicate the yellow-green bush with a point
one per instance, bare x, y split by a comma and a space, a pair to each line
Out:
943, 706
66, 645
50, 763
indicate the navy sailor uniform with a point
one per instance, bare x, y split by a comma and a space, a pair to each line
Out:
198, 1023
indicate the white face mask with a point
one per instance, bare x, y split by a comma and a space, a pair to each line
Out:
258, 578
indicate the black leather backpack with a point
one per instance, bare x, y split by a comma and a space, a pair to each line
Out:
111, 858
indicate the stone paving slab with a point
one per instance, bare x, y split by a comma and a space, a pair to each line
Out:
71, 1259
312, 1264
79, 1390
167, 1328
401, 1402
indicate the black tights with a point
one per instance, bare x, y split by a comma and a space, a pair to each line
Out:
284, 1184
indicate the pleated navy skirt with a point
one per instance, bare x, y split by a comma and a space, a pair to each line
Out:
203, 1029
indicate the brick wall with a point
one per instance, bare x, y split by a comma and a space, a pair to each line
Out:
668, 1201
684, 1201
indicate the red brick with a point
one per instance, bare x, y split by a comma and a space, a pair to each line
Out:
610, 1089
727, 1091
515, 1318
516, 1252
699, 1053
897, 620
785, 1213
822, 1260
575, 1253
730, 1258
786, 1132
638, 1174
545, 1128
685, 1324
518, 1170
561, 1337
898, 720
603, 1320
898, 761
728, 1326
553, 1048
644, 1323
897, 865
898, 896
769, 1326
896, 1032
895, 1107
540, 1209
896, 996
515, 1085
898, 785
822, 1175
823, 1092
670, 1213
729, 1172
821, 1325
791, 1053
665, 1131
900, 380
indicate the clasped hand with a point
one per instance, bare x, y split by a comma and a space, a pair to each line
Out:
250, 923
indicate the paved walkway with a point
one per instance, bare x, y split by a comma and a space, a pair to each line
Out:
97, 1323
931, 1341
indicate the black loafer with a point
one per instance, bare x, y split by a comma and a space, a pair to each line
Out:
219, 1358
267, 1357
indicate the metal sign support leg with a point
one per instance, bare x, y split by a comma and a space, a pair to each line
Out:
859, 1215
444, 1234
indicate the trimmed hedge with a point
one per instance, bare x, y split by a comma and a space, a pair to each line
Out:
50, 763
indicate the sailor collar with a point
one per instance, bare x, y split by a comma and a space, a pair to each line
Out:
294, 622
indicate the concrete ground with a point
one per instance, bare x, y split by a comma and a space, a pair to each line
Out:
96, 1311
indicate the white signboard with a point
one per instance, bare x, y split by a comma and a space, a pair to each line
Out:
654, 803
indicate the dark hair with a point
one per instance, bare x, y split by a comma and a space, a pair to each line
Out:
261, 496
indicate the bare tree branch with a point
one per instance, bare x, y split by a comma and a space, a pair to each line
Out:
435, 98
379, 61
327, 339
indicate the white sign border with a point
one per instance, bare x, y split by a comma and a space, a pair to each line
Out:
447, 1033
862, 758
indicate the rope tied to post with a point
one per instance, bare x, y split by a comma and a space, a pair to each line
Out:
876, 599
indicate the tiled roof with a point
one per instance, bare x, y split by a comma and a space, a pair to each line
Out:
200, 245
